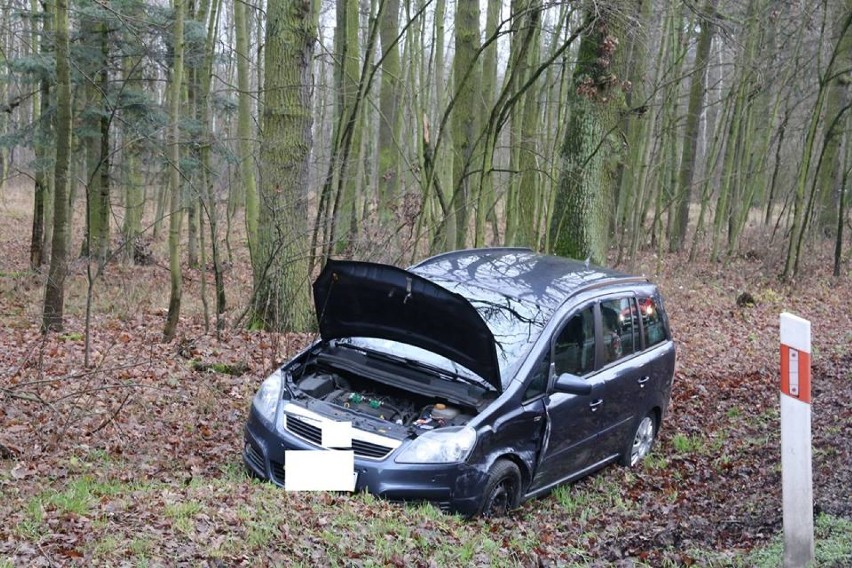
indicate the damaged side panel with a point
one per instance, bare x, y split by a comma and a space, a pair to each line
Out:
520, 430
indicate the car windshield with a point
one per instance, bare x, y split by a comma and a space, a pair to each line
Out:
515, 325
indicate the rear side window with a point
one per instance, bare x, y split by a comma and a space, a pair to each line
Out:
574, 351
653, 327
618, 317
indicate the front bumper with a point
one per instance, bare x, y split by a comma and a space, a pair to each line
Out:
451, 487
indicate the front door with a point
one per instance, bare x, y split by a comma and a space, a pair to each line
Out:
572, 421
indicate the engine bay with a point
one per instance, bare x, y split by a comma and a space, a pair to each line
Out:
379, 401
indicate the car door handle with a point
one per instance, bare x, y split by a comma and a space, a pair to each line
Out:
642, 381
596, 404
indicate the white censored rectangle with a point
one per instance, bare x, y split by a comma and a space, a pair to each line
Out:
319, 470
337, 435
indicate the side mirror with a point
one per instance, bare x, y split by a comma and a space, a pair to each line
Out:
571, 384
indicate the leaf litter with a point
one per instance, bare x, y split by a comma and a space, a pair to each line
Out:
138, 456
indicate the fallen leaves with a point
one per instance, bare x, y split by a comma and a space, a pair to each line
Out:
144, 433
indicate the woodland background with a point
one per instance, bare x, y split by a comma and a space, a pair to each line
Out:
388, 130
222, 150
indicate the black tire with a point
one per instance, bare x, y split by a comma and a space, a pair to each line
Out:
640, 442
503, 490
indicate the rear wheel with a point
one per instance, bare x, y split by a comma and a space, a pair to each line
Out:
503, 490
640, 443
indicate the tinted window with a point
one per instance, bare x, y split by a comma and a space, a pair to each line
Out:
652, 323
618, 317
574, 351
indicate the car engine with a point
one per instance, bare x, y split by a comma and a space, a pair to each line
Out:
381, 403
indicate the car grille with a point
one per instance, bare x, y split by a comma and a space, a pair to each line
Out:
368, 450
277, 470
304, 430
312, 433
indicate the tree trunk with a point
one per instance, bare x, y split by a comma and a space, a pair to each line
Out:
389, 99
95, 137
830, 174
791, 263
580, 221
635, 125
41, 110
281, 296
344, 217
54, 294
528, 164
489, 83
464, 123
841, 208
175, 209
244, 124
697, 89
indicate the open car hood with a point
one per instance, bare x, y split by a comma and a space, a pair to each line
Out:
364, 299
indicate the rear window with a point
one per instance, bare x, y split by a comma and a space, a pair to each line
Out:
653, 325
618, 317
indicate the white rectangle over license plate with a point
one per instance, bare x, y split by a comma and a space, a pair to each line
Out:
320, 470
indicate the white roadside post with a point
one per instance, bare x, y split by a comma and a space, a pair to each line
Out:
796, 470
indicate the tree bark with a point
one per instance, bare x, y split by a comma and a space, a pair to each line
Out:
464, 118
580, 222
175, 209
244, 121
41, 108
389, 98
528, 166
54, 294
830, 174
281, 297
95, 137
697, 89
797, 230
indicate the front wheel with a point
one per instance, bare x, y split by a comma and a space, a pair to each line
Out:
503, 490
640, 443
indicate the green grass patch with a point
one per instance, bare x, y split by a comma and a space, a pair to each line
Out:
33, 527
832, 545
832, 548
655, 462
72, 336
182, 515
105, 547
140, 548
685, 444
596, 496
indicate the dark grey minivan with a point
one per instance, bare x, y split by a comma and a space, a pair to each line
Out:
474, 380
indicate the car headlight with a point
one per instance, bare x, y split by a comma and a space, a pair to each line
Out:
444, 445
266, 399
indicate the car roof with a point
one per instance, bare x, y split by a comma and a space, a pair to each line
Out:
519, 273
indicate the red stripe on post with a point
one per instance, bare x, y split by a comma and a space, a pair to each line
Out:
797, 385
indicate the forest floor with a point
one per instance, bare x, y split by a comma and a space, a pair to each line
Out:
135, 459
